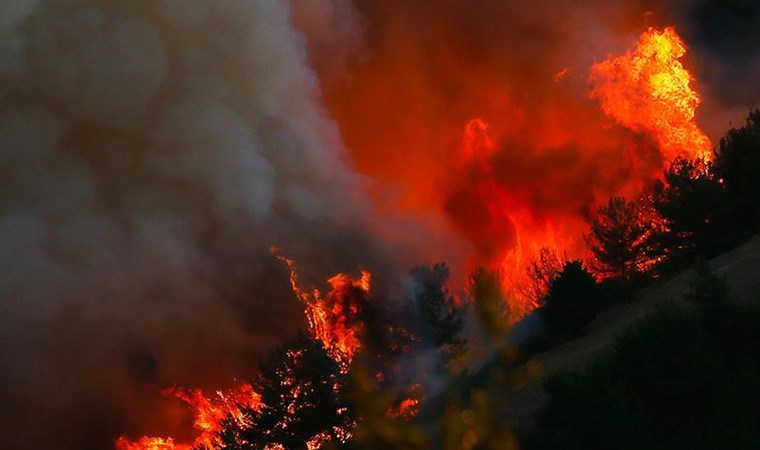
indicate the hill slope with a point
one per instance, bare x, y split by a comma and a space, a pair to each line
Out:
741, 267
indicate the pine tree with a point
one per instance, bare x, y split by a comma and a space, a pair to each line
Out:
300, 387
622, 239
695, 207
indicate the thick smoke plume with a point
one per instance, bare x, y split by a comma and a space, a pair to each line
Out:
151, 152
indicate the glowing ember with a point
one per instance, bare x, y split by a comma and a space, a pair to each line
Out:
408, 408
647, 90
209, 415
150, 443
334, 317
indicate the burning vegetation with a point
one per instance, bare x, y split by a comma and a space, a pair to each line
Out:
510, 220
156, 154
334, 317
518, 235
210, 415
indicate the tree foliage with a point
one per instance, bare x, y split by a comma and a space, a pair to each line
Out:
572, 301
300, 388
440, 319
679, 379
623, 238
737, 164
695, 207
541, 272
492, 310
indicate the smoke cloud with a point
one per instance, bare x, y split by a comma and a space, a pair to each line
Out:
151, 152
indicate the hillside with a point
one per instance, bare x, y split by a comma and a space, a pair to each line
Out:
741, 267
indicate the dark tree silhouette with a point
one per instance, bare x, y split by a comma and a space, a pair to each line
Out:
440, 318
737, 164
695, 207
572, 301
623, 238
677, 379
300, 389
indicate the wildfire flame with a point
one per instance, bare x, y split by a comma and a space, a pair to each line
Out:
334, 317
648, 90
505, 216
150, 443
209, 413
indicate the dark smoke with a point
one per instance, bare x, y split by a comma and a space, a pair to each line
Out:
151, 152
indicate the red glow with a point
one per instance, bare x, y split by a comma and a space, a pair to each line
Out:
510, 173
514, 158
334, 316
209, 412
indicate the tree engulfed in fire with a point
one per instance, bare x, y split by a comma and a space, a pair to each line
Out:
209, 414
334, 317
648, 90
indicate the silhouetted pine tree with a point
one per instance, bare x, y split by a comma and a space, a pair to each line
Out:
737, 164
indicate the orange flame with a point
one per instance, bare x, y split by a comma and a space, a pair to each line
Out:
407, 409
647, 90
150, 443
209, 415
409, 406
334, 317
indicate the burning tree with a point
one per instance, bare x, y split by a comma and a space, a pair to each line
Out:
623, 239
300, 386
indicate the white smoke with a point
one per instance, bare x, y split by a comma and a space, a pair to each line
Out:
150, 153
